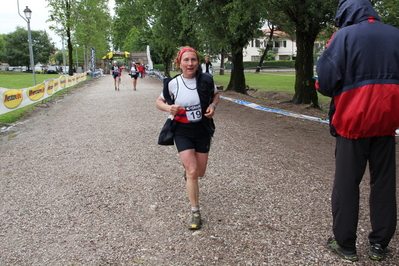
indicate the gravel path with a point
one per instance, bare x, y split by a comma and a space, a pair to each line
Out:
83, 182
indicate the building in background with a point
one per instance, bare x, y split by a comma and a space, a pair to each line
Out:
284, 47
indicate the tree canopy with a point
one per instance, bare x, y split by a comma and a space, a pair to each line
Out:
305, 18
83, 22
231, 24
16, 48
388, 11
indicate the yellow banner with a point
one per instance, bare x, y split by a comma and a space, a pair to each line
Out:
36, 93
12, 98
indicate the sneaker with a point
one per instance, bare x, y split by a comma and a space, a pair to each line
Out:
376, 252
195, 222
333, 246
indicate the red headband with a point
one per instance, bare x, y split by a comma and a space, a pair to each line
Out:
183, 51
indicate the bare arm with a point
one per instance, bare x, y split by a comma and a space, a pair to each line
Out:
163, 106
210, 111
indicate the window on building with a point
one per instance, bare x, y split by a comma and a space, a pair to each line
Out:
257, 43
276, 44
285, 43
255, 58
284, 57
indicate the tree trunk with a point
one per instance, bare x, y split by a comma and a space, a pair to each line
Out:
167, 70
70, 52
222, 64
268, 45
305, 92
69, 40
166, 65
237, 78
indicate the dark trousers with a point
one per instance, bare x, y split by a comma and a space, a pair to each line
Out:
351, 160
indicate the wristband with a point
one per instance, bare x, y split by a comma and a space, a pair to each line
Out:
214, 106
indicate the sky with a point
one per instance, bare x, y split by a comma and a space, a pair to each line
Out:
9, 18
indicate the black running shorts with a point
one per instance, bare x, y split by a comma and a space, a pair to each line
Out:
192, 136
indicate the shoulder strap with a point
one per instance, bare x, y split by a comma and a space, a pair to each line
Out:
165, 91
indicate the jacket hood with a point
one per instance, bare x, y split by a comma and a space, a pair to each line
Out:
353, 11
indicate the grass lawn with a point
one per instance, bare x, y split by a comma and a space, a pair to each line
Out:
265, 81
19, 80
269, 81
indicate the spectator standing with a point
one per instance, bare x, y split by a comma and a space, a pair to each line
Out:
141, 69
207, 66
362, 77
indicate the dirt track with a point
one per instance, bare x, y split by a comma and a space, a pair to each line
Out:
83, 182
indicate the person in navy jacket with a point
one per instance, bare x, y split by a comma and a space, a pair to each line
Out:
359, 70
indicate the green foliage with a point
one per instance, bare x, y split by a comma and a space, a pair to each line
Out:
159, 67
83, 23
388, 10
16, 47
224, 23
2, 46
15, 115
58, 58
306, 19
132, 41
270, 55
128, 15
231, 25
167, 30
140, 23
93, 26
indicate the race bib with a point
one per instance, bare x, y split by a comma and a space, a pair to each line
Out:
193, 113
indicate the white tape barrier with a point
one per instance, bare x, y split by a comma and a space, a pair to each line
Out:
255, 106
258, 107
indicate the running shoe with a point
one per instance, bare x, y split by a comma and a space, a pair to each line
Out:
376, 252
195, 222
333, 246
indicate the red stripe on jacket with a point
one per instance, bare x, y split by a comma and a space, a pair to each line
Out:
367, 111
